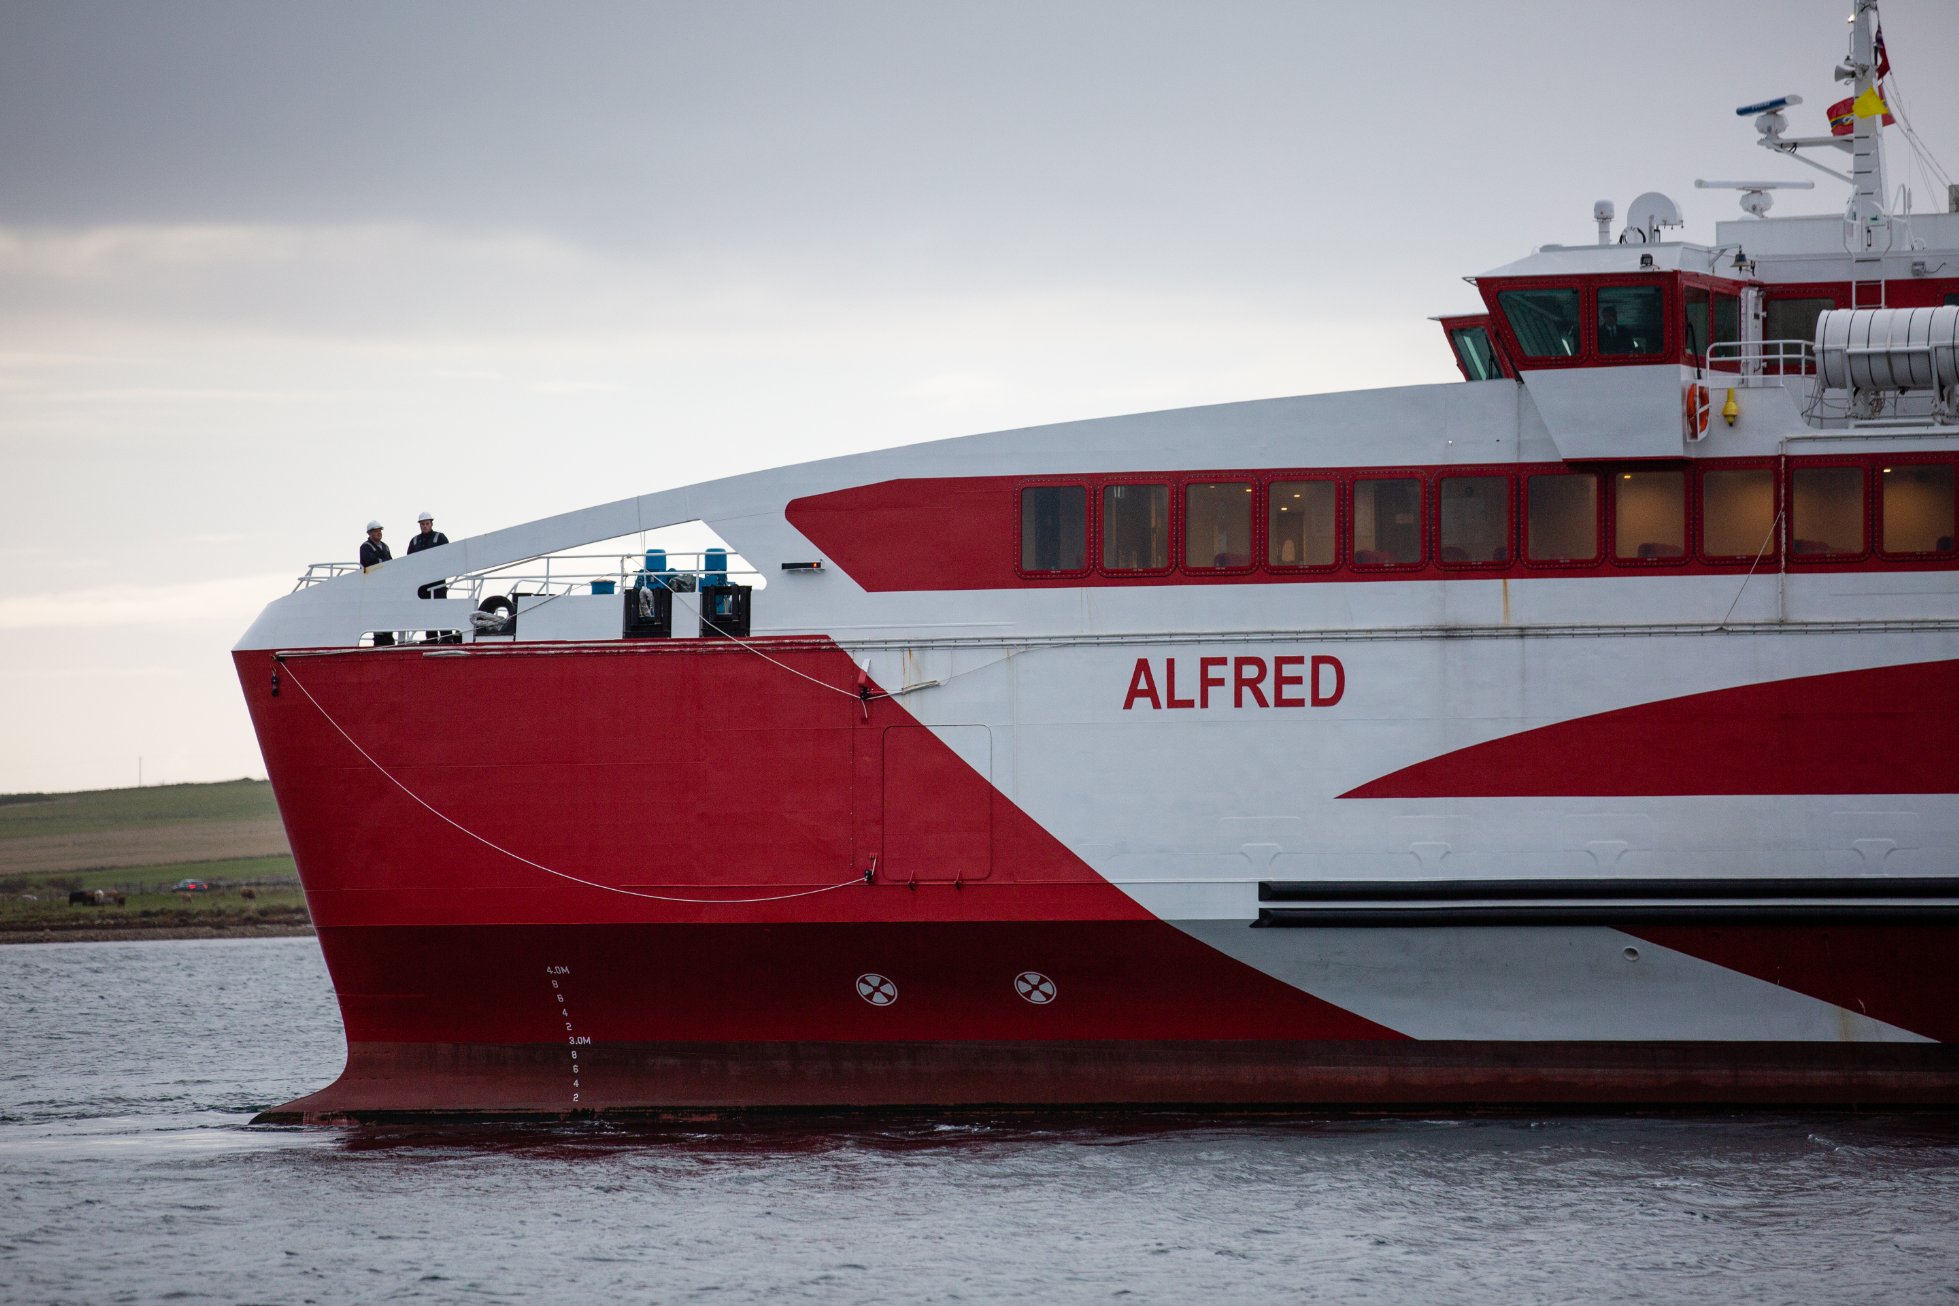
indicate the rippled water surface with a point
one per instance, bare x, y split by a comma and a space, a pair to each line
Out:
128, 1173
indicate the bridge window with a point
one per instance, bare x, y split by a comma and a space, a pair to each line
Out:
1053, 528
1545, 321
1826, 511
1738, 513
1299, 523
1388, 522
1712, 319
1793, 319
1474, 351
1135, 527
1916, 503
1475, 519
1649, 516
1631, 320
1561, 517
1218, 525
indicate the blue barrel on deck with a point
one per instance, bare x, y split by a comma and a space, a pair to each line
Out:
655, 575
714, 567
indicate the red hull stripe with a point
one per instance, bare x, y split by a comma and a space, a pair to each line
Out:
1884, 730
964, 532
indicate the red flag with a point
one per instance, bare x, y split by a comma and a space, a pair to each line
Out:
1883, 59
1843, 117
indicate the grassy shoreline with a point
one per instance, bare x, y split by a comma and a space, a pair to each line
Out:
224, 836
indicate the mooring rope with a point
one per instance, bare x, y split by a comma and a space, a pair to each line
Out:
519, 857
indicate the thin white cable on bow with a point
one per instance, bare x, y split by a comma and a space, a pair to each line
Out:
519, 857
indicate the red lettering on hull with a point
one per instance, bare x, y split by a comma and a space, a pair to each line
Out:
1295, 680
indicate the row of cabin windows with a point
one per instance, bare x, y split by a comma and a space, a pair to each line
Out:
1387, 522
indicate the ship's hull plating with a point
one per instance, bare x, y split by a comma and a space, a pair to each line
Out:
632, 880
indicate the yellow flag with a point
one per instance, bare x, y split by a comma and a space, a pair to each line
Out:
1871, 104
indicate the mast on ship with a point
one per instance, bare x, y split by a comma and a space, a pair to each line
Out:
1868, 233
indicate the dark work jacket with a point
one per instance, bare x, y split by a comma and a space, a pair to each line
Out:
374, 553
426, 540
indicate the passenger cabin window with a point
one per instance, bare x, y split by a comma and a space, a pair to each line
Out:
1053, 528
1793, 319
1738, 513
1561, 517
1477, 355
1388, 522
1474, 515
1218, 525
1826, 511
1631, 320
1916, 504
1135, 527
1712, 319
1299, 524
1545, 321
1649, 516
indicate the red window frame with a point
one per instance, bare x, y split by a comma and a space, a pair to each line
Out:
1698, 506
1350, 548
1688, 516
1588, 355
1171, 525
1508, 475
1181, 546
1874, 525
1526, 476
1091, 546
1790, 526
1267, 484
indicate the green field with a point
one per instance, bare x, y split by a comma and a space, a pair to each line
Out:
51, 844
94, 811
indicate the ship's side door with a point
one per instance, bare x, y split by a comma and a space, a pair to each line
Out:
936, 804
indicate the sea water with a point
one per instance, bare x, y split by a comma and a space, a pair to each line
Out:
128, 1172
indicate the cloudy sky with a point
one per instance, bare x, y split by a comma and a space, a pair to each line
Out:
268, 270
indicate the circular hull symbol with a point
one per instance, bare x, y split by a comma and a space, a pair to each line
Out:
1035, 987
876, 989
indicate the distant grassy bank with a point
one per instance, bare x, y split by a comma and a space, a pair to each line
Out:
136, 845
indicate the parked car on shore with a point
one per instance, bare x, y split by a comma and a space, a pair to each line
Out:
190, 886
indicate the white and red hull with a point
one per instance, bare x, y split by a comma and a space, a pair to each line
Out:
474, 980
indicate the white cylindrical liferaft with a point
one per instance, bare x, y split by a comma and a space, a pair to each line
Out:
1888, 348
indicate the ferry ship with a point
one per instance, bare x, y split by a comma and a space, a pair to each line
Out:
1582, 732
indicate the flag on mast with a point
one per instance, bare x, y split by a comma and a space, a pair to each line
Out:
1845, 113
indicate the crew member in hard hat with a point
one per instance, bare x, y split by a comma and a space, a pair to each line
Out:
428, 539
373, 554
373, 551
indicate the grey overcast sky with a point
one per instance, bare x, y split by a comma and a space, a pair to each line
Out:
268, 270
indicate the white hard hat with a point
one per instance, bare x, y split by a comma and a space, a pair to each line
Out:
374, 526
427, 516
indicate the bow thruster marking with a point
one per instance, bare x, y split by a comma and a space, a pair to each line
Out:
1035, 987
876, 989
